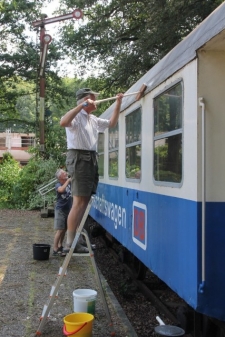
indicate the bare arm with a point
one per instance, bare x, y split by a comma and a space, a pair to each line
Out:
62, 188
71, 114
115, 116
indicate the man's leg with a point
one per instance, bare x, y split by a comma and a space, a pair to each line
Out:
60, 227
57, 239
60, 243
75, 217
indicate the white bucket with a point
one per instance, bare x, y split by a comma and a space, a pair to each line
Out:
84, 300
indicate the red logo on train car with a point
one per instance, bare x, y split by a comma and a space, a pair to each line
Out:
139, 224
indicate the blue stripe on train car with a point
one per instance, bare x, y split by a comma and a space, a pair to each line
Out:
212, 301
165, 234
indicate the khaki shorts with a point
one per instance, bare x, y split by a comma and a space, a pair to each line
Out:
82, 167
60, 219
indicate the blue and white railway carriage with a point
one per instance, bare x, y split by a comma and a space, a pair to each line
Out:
162, 169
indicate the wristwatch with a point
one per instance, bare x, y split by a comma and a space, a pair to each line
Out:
85, 104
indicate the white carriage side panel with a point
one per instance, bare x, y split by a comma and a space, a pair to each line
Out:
188, 187
212, 88
106, 156
121, 179
122, 149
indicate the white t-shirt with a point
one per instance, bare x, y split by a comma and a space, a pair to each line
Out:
83, 132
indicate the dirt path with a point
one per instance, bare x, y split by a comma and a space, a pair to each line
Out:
25, 283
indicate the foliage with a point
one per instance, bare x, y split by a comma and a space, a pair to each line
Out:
55, 143
113, 168
126, 37
31, 177
19, 186
163, 171
116, 42
18, 56
22, 98
132, 171
122, 38
9, 173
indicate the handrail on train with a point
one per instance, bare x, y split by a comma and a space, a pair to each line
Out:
202, 105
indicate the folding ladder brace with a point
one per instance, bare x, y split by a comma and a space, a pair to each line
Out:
63, 271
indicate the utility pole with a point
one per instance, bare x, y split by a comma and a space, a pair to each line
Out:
45, 39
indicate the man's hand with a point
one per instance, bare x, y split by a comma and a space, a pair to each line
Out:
89, 105
115, 116
119, 97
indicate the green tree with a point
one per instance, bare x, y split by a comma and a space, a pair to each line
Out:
31, 177
20, 58
128, 37
9, 173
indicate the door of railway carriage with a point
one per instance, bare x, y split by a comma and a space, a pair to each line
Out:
211, 169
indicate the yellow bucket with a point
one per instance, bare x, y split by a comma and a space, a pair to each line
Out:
78, 325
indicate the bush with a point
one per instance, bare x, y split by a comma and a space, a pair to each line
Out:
9, 175
36, 173
19, 186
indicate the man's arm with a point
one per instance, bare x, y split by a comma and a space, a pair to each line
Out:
63, 187
88, 105
115, 116
70, 115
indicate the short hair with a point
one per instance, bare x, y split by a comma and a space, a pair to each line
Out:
58, 173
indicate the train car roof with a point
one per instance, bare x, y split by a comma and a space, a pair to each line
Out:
178, 57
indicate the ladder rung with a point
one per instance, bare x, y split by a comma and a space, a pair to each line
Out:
60, 271
43, 312
51, 292
81, 254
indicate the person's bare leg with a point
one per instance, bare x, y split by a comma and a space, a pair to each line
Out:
57, 238
75, 217
60, 242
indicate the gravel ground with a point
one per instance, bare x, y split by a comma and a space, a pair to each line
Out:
25, 283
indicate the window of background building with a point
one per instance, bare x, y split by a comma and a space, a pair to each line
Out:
168, 135
133, 145
113, 151
2, 141
27, 141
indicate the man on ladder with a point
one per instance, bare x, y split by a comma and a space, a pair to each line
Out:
82, 129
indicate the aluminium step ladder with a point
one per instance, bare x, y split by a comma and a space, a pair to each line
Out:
63, 271
44, 190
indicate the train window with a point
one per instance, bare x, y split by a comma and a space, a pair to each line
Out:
168, 135
101, 139
113, 151
133, 145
